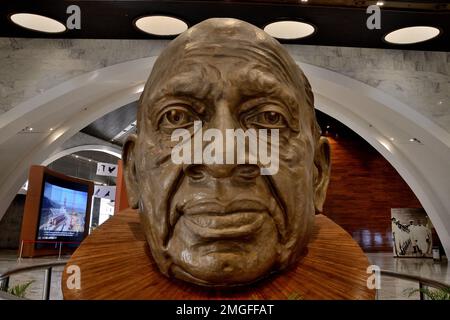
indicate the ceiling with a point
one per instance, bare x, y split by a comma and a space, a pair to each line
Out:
112, 124
338, 22
83, 165
396, 4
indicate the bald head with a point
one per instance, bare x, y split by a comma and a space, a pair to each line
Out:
226, 224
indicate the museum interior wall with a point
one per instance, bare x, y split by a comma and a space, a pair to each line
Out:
363, 188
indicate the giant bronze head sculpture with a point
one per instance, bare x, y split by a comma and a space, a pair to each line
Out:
226, 224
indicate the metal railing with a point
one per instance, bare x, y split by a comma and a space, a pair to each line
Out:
48, 267
423, 282
58, 243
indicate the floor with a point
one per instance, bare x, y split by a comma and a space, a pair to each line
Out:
391, 288
8, 261
395, 289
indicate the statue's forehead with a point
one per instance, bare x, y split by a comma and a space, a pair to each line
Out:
215, 67
200, 78
212, 68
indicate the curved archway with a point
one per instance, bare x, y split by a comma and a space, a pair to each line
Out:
372, 114
88, 147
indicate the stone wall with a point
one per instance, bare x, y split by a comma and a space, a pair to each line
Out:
11, 223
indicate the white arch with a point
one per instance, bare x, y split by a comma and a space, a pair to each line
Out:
116, 152
371, 113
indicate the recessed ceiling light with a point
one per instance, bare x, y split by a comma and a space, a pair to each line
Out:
412, 35
37, 22
380, 3
289, 29
161, 25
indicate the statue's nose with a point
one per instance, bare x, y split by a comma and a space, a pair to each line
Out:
226, 165
223, 118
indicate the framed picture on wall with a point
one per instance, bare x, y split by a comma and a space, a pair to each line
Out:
411, 233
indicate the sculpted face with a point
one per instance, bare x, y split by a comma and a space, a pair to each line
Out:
226, 224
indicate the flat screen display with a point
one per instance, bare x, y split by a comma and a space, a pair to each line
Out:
63, 210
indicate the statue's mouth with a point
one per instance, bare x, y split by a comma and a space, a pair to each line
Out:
214, 220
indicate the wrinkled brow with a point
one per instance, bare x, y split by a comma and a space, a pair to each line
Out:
192, 84
253, 82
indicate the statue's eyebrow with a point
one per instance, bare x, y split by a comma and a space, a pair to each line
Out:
180, 87
261, 83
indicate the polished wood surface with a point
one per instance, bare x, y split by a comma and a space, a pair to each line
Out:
115, 263
363, 188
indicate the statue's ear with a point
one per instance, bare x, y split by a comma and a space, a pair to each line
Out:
129, 171
322, 164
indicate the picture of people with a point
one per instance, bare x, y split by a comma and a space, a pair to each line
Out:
411, 232
63, 213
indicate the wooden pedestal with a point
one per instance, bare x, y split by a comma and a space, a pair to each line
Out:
116, 263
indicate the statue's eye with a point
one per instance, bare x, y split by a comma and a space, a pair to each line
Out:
267, 119
177, 118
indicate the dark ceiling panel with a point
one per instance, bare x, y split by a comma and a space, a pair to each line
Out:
108, 126
81, 167
389, 4
343, 25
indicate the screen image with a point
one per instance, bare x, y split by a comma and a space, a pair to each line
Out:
63, 211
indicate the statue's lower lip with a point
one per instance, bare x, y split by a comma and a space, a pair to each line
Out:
232, 225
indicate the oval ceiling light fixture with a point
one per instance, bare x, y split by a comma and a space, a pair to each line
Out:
289, 30
37, 22
161, 25
412, 35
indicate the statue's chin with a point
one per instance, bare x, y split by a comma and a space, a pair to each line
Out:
225, 262
224, 270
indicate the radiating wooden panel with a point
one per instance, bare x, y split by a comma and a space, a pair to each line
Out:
115, 263
363, 189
